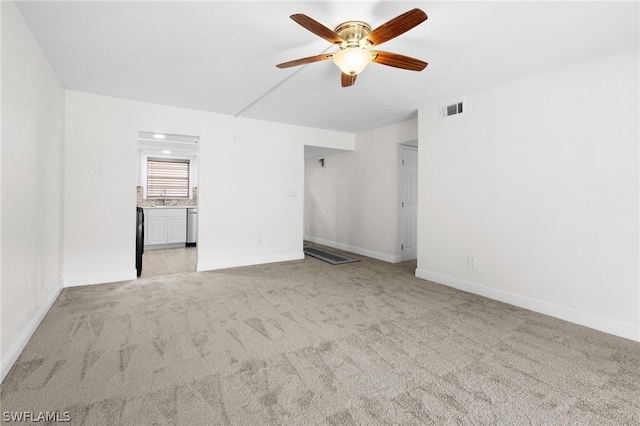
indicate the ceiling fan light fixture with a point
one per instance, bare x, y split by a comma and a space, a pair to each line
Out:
354, 38
352, 60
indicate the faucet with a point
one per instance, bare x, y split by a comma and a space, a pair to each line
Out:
164, 197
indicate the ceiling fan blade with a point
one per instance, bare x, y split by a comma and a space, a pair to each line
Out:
303, 61
396, 26
398, 61
348, 79
317, 28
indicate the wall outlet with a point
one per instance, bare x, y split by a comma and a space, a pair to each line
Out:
44, 277
471, 262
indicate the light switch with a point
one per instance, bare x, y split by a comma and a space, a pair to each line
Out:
97, 168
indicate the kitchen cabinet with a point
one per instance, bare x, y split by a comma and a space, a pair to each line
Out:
156, 231
165, 227
177, 228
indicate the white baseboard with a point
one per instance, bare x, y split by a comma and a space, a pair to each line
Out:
100, 278
163, 246
18, 346
234, 263
601, 324
357, 250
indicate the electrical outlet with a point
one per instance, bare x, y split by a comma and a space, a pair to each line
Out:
44, 276
471, 262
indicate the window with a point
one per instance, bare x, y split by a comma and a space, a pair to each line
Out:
168, 175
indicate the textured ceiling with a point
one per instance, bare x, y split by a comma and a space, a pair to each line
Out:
221, 56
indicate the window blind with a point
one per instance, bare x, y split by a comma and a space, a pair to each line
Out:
168, 175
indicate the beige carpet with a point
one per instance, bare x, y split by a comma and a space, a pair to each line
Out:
305, 343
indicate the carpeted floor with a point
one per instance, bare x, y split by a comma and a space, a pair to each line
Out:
305, 343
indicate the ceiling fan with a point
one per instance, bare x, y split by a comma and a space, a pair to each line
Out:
354, 38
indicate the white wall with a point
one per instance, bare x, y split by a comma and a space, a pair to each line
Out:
538, 180
352, 203
31, 193
248, 172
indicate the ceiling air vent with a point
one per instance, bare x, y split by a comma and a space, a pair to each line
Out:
452, 109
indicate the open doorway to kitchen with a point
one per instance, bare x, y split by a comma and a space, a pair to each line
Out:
167, 204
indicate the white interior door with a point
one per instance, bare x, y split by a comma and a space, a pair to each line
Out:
409, 204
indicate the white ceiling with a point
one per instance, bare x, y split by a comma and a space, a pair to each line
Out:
221, 56
167, 144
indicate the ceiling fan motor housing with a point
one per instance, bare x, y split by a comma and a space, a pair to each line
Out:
353, 33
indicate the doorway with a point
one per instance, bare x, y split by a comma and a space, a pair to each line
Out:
167, 192
409, 203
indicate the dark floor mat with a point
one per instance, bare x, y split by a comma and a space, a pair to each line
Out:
327, 256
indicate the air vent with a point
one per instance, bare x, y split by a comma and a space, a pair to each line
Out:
451, 109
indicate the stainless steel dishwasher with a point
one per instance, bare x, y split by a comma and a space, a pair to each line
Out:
192, 226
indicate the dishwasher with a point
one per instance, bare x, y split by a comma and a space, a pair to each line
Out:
192, 226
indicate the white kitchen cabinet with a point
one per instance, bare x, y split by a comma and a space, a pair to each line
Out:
156, 230
177, 228
165, 227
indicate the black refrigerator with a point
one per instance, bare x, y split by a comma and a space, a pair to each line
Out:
139, 238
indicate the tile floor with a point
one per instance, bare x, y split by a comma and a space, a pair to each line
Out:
162, 262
